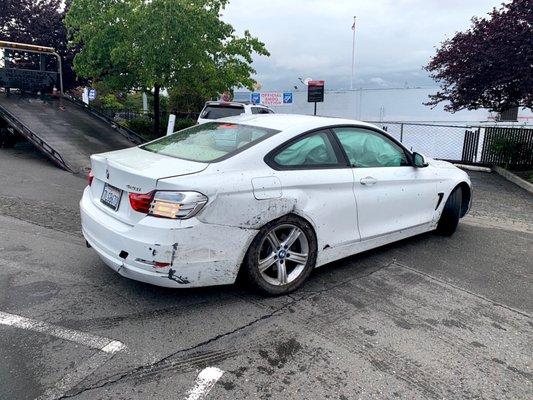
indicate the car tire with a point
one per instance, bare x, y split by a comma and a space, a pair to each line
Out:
450, 214
262, 252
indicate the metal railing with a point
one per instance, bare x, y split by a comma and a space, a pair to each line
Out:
124, 131
35, 139
466, 144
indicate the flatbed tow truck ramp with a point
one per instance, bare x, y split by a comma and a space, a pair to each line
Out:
63, 128
68, 133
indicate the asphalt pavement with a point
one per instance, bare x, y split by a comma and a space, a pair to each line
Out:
425, 318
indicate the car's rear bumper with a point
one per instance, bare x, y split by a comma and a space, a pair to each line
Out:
188, 253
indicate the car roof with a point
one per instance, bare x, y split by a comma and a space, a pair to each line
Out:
232, 103
283, 122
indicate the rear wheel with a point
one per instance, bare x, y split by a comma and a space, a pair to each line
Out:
450, 215
281, 256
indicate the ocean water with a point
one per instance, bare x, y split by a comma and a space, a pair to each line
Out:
404, 104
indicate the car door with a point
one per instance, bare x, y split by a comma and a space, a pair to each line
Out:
391, 194
312, 170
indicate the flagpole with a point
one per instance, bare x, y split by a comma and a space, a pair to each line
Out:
353, 53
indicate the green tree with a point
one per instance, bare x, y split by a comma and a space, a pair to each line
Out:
150, 45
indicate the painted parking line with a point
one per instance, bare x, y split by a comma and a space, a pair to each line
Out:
107, 348
204, 383
76, 376
96, 342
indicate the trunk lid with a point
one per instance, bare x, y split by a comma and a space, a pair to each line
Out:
134, 170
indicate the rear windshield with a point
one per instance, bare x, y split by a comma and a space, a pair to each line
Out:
209, 142
216, 112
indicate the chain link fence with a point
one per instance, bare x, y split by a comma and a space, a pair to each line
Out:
477, 144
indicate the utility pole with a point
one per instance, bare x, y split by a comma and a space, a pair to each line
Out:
353, 53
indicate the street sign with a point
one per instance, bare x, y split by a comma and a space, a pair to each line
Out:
315, 91
287, 98
92, 94
255, 98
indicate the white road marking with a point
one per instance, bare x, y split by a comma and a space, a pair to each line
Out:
74, 377
107, 349
204, 383
96, 342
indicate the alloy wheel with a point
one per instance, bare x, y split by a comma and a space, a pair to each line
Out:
283, 254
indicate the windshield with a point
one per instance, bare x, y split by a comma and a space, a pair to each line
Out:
216, 112
209, 142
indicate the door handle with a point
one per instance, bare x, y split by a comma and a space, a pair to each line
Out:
368, 180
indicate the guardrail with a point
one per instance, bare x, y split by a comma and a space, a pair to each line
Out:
35, 139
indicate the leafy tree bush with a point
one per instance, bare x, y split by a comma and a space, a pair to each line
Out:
155, 44
140, 126
143, 126
491, 64
183, 123
507, 148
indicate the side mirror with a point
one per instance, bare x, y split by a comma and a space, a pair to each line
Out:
419, 161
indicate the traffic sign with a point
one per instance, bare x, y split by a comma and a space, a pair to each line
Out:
92, 94
287, 98
256, 98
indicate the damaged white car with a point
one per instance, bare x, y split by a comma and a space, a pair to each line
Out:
268, 196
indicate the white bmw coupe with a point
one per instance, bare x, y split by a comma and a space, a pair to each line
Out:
267, 196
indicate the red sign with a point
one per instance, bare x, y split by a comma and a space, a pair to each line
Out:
315, 83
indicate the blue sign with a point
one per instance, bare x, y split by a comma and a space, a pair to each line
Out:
256, 98
287, 98
92, 94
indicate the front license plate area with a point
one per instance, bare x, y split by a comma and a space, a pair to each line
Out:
111, 196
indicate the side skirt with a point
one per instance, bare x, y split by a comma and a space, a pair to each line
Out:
336, 253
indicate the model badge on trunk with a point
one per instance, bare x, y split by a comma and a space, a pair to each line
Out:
134, 188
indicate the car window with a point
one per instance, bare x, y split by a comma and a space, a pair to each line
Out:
208, 142
222, 111
366, 149
312, 150
260, 110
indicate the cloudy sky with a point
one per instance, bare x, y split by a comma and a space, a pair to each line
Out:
313, 38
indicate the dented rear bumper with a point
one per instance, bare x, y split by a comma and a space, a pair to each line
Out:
165, 252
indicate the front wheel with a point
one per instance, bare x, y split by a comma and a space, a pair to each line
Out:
281, 256
450, 214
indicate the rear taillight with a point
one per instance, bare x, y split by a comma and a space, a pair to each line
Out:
173, 205
141, 202
90, 177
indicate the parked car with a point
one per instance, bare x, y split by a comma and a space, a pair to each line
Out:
220, 109
267, 196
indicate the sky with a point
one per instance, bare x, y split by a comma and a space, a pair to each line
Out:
313, 38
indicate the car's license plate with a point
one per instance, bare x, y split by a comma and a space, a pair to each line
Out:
111, 196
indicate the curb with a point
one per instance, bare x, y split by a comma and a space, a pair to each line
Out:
515, 179
473, 168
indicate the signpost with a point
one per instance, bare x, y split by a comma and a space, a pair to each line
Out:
92, 94
315, 92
